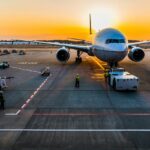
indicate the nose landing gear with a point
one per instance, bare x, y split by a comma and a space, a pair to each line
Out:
113, 64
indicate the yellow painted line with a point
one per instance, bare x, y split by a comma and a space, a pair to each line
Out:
94, 59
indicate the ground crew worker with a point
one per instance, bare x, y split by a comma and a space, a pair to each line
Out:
77, 81
3, 82
2, 101
106, 75
1, 86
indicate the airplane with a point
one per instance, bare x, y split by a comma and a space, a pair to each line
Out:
110, 45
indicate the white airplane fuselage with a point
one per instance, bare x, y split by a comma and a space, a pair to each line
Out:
110, 45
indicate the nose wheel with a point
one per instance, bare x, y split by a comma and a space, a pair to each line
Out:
78, 58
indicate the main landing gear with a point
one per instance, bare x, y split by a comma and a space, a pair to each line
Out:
78, 58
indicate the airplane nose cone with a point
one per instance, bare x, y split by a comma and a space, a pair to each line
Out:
118, 47
123, 47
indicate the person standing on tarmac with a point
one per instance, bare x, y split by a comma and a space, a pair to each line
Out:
2, 101
77, 81
106, 75
3, 82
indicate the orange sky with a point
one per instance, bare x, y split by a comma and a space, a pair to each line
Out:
62, 19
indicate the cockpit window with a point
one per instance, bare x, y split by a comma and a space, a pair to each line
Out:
108, 41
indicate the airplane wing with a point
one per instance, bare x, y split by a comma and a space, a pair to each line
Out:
72, 46
138, 43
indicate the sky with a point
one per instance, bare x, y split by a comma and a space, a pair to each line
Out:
64, 19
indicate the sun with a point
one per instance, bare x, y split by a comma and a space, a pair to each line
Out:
104, 18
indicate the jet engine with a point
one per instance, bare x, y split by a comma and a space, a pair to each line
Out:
63, 54
136, 54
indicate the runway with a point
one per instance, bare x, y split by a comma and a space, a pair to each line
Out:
50, 113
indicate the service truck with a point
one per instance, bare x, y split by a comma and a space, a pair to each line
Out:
120, 79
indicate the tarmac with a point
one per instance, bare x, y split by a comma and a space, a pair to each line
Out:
45, 113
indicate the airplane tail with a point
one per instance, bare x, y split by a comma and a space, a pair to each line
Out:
90, 21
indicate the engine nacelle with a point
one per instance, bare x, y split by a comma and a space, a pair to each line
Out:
136, 54
63, 54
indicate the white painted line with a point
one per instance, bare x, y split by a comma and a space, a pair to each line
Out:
23, 106
40, 86
29, 70
11, 114
38, 89
35, 92
32, 96
137, 114
42, 83
29, 99
74, 130
18, 112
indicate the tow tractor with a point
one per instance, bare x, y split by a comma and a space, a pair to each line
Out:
120, 79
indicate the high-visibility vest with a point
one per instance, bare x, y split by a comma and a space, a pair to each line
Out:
106, 74
77, 78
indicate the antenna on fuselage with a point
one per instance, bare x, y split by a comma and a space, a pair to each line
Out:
90, 21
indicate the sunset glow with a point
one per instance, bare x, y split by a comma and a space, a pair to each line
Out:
62, 19
103, 17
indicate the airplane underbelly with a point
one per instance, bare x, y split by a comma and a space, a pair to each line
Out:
110, 56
